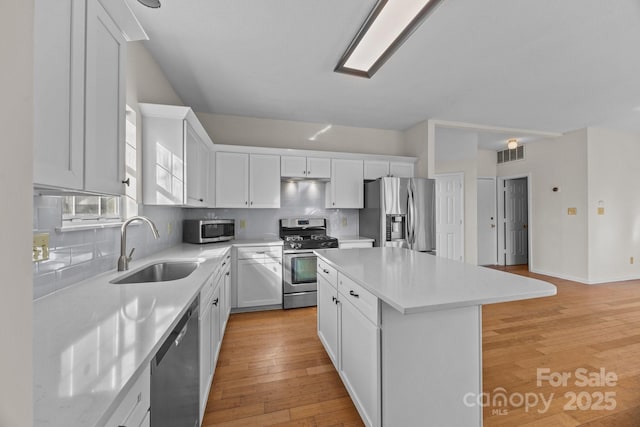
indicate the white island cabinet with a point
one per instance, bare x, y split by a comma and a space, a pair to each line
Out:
403, 330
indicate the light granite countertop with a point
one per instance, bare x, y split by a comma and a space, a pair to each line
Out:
412, 282
93, 339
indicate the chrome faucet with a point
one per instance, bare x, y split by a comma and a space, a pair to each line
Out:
123, 261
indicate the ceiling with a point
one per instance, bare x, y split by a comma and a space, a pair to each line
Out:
543, 65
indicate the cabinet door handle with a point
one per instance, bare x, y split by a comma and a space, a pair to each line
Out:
353, 294
227, 273
215, 302
252, 203
201, 200
127, 182
224, 263
333, 299
245, 202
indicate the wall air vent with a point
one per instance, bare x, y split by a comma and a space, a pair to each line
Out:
511, 155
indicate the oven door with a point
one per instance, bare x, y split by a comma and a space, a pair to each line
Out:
299, 273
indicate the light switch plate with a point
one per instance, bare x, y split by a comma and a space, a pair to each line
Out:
572, 211
40, 247
243, 224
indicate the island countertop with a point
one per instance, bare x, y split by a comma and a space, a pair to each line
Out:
413, 282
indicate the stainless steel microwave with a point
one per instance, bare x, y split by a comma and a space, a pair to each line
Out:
208, 230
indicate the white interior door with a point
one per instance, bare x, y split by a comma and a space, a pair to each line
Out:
449, 216
516, 221
487, 220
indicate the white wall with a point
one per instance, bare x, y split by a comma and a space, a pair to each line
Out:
415, 145
238, 130
457, 151
559, 241
16, 136
614, 184
486, 163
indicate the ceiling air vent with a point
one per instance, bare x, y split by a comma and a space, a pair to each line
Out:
511, 155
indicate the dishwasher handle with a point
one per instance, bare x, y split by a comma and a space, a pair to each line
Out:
182, 333
177, 334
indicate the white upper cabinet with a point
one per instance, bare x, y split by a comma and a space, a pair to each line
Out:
264, 181
79, 93
346, 189
104, 103
197, 167
318, 167
401, 170
176, 156
247, 180
293, 167
59, 29
232, 180
305, 167
374, 169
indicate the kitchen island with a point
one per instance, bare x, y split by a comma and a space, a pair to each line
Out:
404, 331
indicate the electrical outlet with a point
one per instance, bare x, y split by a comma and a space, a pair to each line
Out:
243, 224
572, 211
630, 260
40, 247
344, 221
169, 228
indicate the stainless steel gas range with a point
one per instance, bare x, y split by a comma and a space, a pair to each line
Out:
299, 281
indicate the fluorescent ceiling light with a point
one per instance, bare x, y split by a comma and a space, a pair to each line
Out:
388, 25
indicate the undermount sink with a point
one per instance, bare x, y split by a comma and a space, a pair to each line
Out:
160, 272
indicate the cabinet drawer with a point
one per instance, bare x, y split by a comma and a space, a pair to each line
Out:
135, 405
328, 272
362, 299
260, 253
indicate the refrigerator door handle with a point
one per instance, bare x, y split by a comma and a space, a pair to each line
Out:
410, 218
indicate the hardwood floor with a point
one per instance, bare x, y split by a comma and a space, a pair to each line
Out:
274, 371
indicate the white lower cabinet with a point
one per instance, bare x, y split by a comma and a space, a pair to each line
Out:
360, 359
328, 318
348, 327
259, 276
133, 411
213, 318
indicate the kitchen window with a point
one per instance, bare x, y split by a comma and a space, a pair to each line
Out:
86, 209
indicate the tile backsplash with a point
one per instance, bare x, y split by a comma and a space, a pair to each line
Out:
297, 199
79, 254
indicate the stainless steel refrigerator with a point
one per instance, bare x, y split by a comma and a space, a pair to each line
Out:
400, 212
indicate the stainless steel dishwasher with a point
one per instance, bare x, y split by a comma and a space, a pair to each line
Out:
175, 375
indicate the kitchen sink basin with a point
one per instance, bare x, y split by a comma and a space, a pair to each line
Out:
160, 272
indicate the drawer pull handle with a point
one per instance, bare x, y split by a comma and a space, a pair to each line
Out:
224, 263
353, 294
333, 299
215, 302
325, 271
227, 273
260, 252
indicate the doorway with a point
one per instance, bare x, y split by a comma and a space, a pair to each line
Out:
487, 222
515, 221
449, 216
